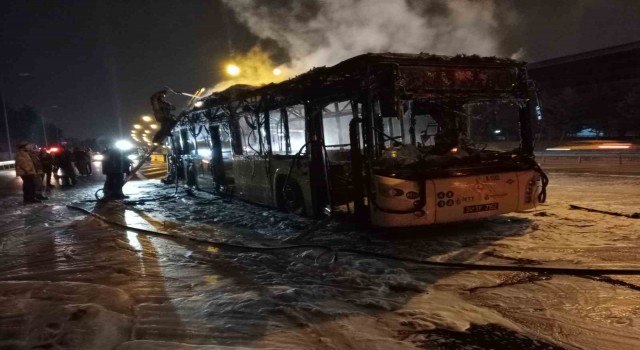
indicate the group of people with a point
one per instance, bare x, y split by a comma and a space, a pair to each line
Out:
36, 166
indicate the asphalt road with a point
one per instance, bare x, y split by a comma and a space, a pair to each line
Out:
71, 281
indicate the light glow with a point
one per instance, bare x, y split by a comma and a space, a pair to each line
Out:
153, 126
198, 103
558, 149
124, 145
615, 146
137, 126
233, 70
146, 118
277, 71
204, 152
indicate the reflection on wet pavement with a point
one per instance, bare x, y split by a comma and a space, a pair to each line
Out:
73, 281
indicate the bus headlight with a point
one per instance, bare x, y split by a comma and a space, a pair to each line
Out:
412, 195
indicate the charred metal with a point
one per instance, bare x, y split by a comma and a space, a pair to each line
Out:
333, 139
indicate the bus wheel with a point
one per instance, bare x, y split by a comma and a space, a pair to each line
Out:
291, 198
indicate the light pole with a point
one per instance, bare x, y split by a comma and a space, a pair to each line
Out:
44, 129
6, 119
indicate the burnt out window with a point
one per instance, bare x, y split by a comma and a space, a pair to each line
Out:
442, 126
388, 127
493, 125
225, 141
252, 134
335, 123
297, 128
278, 131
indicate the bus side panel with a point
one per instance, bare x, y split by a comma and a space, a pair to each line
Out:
473, 197
251, 181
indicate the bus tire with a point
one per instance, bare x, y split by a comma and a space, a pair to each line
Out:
290, 198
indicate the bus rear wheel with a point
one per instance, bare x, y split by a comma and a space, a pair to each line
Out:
291, 199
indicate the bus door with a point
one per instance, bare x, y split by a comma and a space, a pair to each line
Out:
290, 159
220, 151
336, 119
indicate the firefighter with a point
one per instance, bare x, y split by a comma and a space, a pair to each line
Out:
114, 165
162, 112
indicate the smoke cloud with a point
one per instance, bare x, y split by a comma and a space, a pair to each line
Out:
322, 33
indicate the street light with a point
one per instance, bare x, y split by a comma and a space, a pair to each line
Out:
233, 70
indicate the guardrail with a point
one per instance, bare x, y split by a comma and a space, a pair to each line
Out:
10, 164
585, 156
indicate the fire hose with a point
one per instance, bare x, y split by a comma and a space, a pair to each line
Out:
554, 270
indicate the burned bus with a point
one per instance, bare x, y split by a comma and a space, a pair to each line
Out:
393, 139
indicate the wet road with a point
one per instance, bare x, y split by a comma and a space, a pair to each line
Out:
71, 281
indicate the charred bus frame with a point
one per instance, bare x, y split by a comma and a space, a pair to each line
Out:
375, 92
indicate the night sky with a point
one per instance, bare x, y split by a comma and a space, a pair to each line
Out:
97, 60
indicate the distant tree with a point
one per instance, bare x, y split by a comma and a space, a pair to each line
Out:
629, 109
561, 113
25, 124
600, 112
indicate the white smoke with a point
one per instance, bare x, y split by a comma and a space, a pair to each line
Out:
318, 33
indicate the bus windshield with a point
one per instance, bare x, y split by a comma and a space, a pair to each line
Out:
448, 134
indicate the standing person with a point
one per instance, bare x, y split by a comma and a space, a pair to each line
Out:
80, 159
39, 174
27, 172
87, 161
64, 159
162, 112
114, 166
46, 160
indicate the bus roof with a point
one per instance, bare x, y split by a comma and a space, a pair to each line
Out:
351, 74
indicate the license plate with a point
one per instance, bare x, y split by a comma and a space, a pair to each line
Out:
481, 207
